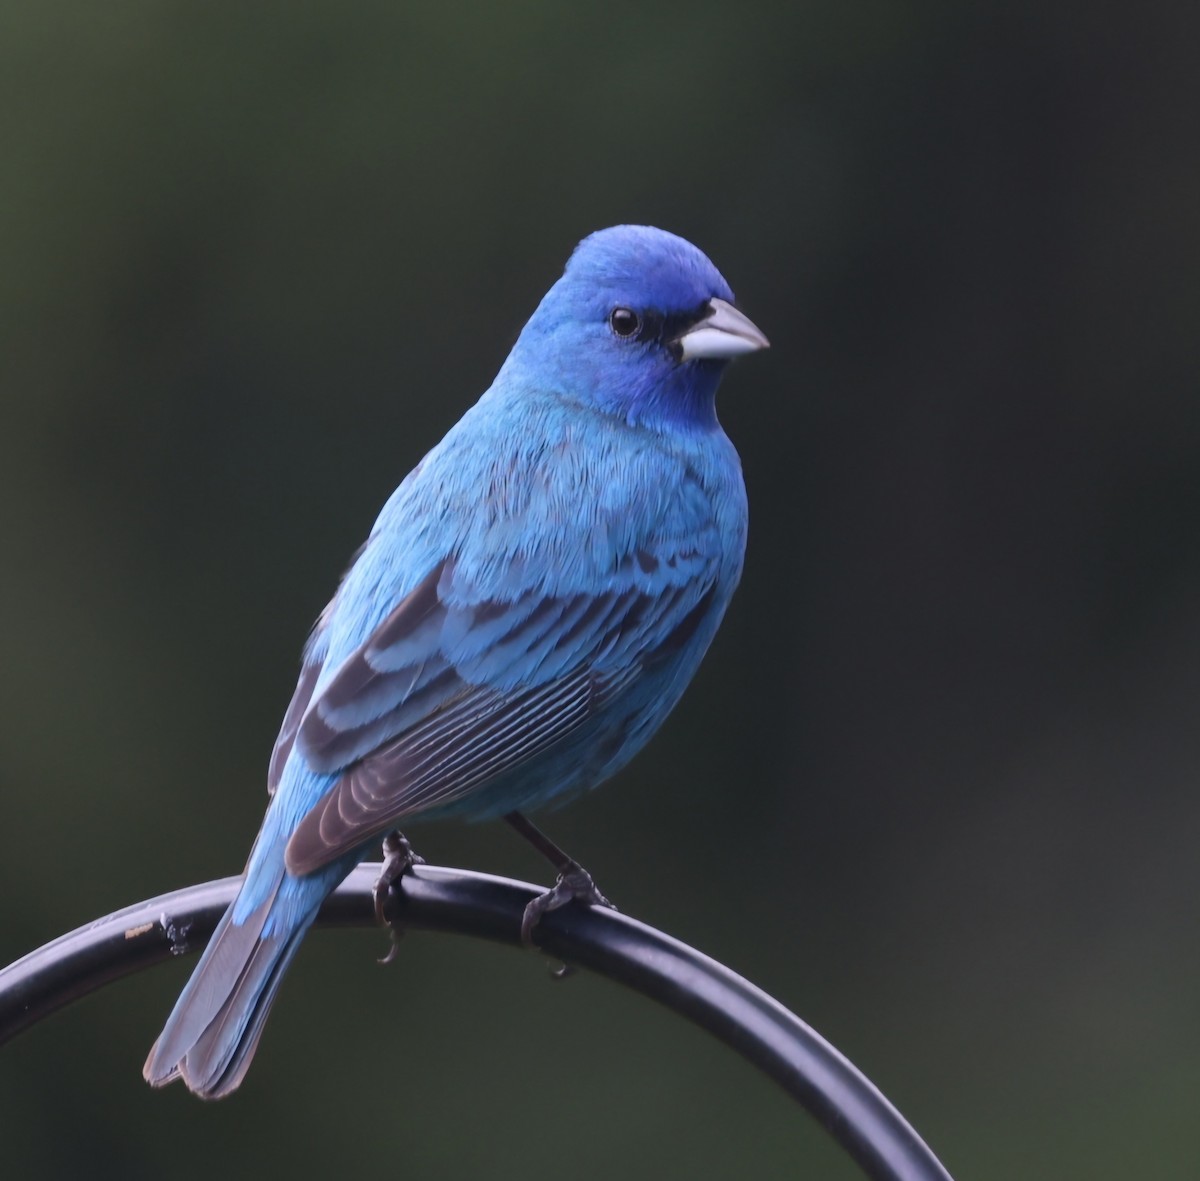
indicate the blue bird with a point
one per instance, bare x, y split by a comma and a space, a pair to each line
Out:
530, 605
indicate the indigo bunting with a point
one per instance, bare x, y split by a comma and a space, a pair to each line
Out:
530, 605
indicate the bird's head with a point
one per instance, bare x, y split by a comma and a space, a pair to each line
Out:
641, 325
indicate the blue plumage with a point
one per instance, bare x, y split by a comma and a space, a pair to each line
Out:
530, 605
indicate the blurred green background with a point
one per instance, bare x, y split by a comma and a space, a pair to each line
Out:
935, 787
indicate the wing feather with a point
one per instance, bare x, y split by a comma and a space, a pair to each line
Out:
309, 675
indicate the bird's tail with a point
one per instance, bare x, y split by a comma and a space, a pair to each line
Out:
213, 1031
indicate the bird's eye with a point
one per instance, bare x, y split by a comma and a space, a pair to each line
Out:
625, 322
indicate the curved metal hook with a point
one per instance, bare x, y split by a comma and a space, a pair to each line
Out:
828, 1085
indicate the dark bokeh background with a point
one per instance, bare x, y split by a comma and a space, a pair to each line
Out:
935, 787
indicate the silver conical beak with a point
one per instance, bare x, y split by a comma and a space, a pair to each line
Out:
722, 334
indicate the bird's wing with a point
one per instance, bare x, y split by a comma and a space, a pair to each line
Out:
447, 694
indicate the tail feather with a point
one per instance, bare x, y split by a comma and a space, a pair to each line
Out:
213, 1031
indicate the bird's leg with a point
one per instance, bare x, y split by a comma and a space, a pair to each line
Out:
574, 882
398, 859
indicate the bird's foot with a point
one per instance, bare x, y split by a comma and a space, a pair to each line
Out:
574, 885
398, 859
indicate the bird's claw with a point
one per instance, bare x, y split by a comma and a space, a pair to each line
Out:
574, 884
398, 859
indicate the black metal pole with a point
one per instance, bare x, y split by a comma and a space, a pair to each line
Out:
758, 1027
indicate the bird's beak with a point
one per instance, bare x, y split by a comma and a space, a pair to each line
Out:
722, 334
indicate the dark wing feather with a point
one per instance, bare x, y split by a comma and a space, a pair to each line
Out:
460, 748
291, 723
